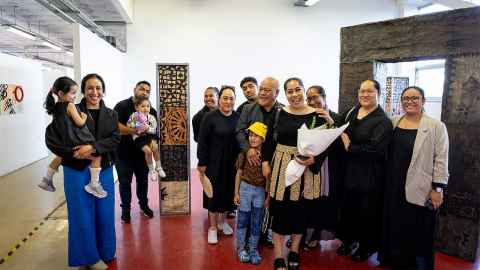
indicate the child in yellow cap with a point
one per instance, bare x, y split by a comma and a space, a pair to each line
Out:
250, 197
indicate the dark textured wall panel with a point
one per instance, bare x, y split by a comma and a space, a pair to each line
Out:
426, 36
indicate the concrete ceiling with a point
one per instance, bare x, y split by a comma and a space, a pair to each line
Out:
453, 4
51, 20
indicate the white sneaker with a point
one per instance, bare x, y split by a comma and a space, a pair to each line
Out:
161, 172
96, 190
153, 176
47, 184
212, 236
100, 265
225, 228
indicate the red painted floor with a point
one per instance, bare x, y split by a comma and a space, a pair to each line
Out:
179, 242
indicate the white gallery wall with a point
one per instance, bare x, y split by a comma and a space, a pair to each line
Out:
95, 55
224, 41
22, 136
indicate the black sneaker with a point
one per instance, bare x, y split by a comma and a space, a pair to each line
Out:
126, 216
147, 211
346, 249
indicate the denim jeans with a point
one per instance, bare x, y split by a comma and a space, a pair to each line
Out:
250, 213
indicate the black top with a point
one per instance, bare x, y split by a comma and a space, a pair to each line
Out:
126, 149
366, 156
197, 121
94, 113
107, 137
286, 133
268, 117
401, 151
252, 113
217, 135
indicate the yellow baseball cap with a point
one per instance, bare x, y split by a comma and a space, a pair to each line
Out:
259, 128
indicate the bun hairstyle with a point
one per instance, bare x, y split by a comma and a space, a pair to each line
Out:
225, 87
214, 89
300, 82
62, 84
376, 84
320, 90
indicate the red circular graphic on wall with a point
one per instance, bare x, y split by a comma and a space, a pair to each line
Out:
18, 93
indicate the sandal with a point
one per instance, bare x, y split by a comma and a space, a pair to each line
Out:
293, 261
311, 245
279, 263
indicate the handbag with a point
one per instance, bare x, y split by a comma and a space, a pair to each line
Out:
265, 221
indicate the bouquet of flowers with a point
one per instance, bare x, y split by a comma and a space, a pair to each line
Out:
311, 142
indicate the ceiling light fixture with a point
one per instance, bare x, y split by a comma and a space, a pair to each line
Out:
69, 53
305, 3
20, 32
51, 45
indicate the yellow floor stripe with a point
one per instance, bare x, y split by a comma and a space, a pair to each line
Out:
23, 241
29, 235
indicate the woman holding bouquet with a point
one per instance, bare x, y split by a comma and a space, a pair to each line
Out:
288, 203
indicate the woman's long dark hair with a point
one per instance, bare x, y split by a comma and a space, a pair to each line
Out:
62, 84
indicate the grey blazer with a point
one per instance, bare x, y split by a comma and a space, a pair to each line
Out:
429, 159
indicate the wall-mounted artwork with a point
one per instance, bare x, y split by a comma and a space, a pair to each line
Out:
172, 85
11, 97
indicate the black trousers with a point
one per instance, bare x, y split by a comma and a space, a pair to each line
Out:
126, 169
360, 219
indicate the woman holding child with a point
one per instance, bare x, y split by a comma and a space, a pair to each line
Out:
91, 225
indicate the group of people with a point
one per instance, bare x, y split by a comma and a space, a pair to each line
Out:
88, 139
378, 187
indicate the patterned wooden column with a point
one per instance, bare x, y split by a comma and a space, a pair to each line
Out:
172, 100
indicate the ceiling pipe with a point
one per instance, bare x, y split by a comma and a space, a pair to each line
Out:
305, 3
72, 15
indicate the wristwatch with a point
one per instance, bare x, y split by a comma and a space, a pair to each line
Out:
439, 189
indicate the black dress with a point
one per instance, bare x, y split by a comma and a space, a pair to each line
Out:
364, 180
289, 216
218, 150
63, 133
407, 228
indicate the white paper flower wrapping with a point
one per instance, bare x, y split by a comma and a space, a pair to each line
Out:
310, 142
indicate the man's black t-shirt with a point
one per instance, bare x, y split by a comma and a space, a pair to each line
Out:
126, 149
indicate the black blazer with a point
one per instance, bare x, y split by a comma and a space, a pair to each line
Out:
107, 138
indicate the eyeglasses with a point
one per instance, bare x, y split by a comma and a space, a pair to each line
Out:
414, 99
